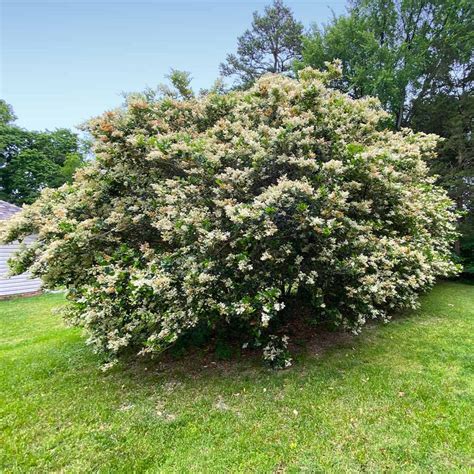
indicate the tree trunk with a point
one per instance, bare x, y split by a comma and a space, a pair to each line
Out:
398, 123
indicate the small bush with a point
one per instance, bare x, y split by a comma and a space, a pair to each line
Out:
217, 211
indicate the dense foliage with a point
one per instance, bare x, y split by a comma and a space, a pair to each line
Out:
33, 160
450, 114
222, 210
416, 56
399, 51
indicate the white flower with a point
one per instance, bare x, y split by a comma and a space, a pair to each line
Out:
266, 256
265, 319
278, 306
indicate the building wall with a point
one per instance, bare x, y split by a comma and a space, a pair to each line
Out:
19, 284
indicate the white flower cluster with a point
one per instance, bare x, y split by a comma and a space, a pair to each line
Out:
221, 210
276, 352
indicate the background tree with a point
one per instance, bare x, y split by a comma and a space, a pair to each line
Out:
398, 51
416, 57
272, 43
31, 160
6, 113
449, 112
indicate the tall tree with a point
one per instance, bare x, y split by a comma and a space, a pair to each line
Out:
272, 43
449, 112
416, 56
397, 50
31, 160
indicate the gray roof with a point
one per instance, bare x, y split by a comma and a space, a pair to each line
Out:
7, 210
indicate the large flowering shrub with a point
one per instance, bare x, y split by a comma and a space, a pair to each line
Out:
217, 211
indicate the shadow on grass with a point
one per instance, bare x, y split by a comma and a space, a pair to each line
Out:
305, 345
308, 342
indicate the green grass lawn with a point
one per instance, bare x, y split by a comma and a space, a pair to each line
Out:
397, 398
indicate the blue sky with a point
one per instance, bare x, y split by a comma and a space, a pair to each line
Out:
63, 62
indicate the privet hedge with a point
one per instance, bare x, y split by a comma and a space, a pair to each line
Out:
218, 211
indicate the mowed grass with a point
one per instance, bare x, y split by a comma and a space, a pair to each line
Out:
398, 398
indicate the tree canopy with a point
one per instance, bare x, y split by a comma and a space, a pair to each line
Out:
271, 45
7, 115
31, 161
399, 51
416, 56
